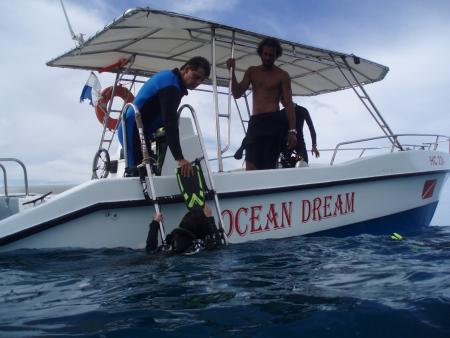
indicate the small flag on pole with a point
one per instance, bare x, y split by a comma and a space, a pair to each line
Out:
91, 90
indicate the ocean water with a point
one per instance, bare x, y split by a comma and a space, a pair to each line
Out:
362, 286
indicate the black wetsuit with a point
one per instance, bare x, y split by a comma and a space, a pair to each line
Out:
263, 140
182, 238
301, 115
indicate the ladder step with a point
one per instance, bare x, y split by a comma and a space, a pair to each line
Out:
224, 115
107, 141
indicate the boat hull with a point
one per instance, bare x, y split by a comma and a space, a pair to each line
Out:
383, 194
375, 206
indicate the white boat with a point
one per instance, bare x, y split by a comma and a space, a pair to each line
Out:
382, 190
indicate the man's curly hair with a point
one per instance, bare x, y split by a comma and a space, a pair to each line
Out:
270, 42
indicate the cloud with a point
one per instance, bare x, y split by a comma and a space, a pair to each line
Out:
42, 119
199, 6
193, 7
414, 92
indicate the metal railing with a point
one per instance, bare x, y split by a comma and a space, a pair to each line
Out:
145, 160
5, 179
426, 145
205, 157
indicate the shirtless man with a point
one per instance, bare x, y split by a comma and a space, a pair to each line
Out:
269, 82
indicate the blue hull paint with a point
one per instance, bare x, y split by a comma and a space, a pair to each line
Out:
403, 222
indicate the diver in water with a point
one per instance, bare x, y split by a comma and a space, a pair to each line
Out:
196, 231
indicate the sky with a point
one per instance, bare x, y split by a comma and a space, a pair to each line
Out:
43, 123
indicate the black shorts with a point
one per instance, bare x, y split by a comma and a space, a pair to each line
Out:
263, 140
264, 152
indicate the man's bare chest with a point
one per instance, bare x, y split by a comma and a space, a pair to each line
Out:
266, 82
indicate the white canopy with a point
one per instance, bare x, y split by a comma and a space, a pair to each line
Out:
156, 40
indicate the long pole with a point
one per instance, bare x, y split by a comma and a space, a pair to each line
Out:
145, 162
216, 100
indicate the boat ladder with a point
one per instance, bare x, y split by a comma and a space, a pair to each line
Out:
146, 162
101, 165
207, 164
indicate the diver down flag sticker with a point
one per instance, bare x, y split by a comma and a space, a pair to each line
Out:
428, 188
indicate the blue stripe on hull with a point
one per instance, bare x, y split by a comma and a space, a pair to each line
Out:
402, 222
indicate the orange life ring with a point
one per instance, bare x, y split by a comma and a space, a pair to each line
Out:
102, 104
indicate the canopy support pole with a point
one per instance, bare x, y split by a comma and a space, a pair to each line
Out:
367, 102
228, 115
216, 100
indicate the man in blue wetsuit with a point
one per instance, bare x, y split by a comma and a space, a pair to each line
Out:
158, 102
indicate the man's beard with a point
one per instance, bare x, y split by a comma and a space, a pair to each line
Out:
268, 65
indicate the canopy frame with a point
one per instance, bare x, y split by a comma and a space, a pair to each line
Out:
153, 40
